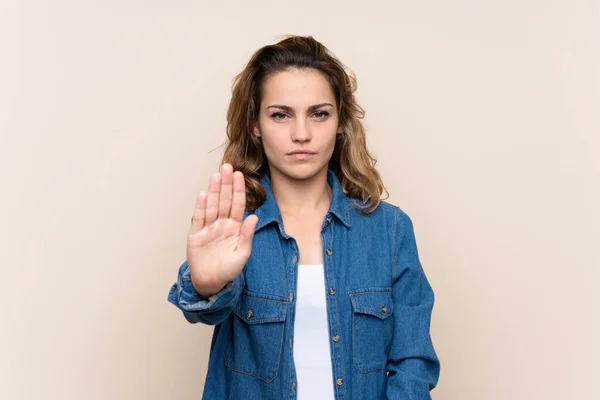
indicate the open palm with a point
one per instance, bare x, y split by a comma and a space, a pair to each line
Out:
220, 240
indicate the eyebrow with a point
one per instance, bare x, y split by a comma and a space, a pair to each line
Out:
288, 108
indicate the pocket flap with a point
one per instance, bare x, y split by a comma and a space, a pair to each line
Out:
256, 308
376, 302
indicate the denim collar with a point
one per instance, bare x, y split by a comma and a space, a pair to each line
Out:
269, 212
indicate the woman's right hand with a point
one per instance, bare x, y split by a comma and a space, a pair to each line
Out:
220, 241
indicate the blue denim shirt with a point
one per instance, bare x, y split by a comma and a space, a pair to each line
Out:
379, 302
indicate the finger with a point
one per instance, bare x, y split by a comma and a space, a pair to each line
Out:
212, 202
238, 204
247, 233
225, 195
199, 213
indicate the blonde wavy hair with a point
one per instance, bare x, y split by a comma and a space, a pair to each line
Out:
351, 161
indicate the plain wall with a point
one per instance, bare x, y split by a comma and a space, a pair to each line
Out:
484, 117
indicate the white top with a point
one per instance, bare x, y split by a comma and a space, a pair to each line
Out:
312, 353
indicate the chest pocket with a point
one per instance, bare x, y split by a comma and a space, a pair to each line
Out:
372, 328
256, 335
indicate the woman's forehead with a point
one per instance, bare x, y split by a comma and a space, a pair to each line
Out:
297, 88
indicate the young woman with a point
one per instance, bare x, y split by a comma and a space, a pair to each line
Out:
313, 283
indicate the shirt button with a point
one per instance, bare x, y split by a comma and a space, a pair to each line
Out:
294, 385
332, 291
249, 314
339, 381
384, 308
336, 338
329, 252
295, 259
291, 296
328, 219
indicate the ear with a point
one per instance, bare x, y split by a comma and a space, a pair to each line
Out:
340, 130
255, 129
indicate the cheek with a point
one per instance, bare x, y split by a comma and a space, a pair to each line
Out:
328, 131
272, 139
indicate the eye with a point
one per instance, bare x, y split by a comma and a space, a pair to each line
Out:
278, 116
321, 114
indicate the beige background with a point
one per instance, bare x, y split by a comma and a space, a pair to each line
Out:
484, 117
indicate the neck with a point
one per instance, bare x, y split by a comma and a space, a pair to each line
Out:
297, 197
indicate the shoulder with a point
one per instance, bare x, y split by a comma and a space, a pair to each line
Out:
389, 222
385, 211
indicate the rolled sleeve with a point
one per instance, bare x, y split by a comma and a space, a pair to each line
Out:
196, 308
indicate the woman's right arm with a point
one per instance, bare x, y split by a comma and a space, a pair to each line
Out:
209, 310
219, 244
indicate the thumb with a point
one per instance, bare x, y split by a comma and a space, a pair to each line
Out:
247, 233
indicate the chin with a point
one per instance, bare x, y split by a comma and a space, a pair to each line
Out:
301, 171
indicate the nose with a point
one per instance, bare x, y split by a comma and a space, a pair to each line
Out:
301, 131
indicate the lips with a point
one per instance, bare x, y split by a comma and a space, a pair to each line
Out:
307, 152
301, 155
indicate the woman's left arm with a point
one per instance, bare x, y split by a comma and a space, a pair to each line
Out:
413, 365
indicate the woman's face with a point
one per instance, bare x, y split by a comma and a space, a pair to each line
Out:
297, 122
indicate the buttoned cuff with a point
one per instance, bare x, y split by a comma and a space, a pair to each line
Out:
185, 297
